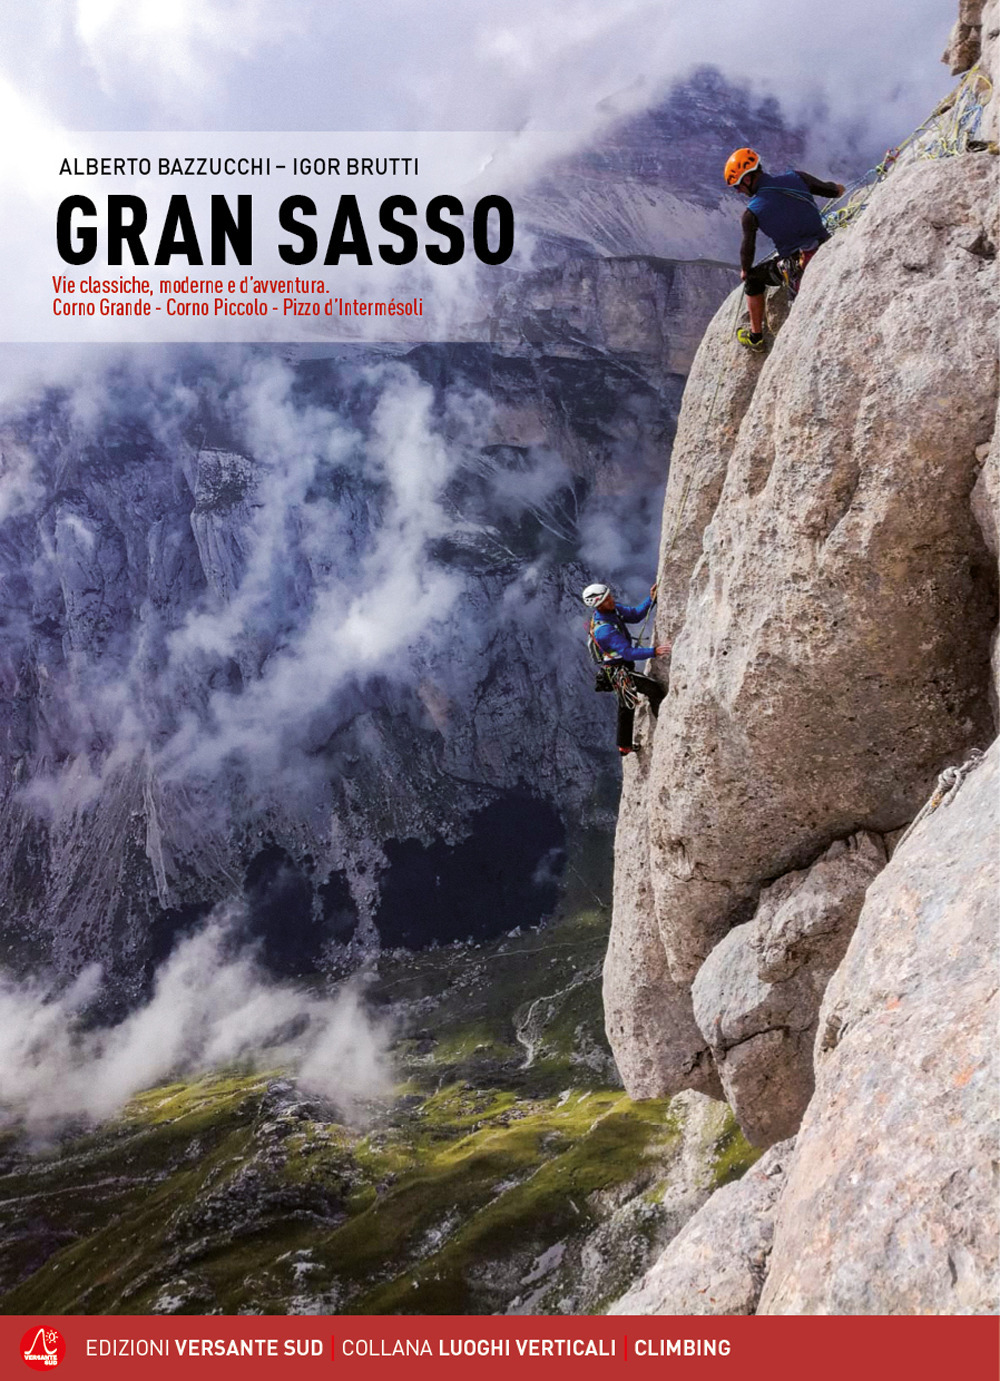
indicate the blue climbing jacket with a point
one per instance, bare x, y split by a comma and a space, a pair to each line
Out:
786, 212
612, 637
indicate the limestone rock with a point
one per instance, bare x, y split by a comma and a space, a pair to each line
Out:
225, 487
985, 500
834, 647
806, 918
964, 41
890, 1205
658, 1048
757, 997
717, 1262
986, 495
714, 403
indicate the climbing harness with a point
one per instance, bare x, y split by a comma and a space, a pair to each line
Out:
792, 268
944, 792
614, 675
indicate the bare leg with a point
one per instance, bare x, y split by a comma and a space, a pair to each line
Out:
756, 308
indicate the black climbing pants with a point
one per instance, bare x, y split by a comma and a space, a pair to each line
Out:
653, 691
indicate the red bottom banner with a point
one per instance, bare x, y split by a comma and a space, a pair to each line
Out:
827, 1348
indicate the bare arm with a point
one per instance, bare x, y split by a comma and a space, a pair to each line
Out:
749, 245
821, 189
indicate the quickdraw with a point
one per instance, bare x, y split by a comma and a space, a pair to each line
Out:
624, 685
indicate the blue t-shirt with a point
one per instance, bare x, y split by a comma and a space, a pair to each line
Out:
786, 211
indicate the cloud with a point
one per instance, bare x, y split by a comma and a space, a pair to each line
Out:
184, 49
328, 595
279, 570
619, 541
300, 64
20, 489
212, 1006
237, 574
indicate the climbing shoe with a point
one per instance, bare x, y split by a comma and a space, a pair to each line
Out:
752, 342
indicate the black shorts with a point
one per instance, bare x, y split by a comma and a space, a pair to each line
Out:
766, 274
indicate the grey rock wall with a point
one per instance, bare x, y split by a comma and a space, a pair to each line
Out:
832, 652
648, 1017
836, 634
890, 1205
757, 996
829, 567
717, 1263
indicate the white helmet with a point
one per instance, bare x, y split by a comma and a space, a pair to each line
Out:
594, 595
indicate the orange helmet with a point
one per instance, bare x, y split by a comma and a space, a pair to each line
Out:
740, 163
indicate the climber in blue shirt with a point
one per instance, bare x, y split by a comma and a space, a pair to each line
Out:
612, 646
783, 206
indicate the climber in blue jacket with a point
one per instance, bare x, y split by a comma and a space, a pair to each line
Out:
783, 206
612, 646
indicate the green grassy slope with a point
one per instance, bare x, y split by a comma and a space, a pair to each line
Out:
507, 1171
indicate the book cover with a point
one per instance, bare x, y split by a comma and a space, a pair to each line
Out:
357, 958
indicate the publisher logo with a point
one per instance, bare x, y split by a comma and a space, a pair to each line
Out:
43, 1347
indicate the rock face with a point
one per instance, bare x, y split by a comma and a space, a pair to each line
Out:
834, 647
757, 996
890, 1205
965, 39
648, 1016
828, 579
640, 307
717, 1262
833, 653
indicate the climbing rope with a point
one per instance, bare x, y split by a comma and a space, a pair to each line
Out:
641, 635
951, 128
945, 791
613, 676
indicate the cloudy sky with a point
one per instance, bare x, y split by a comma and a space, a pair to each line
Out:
442, 64
541, 79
